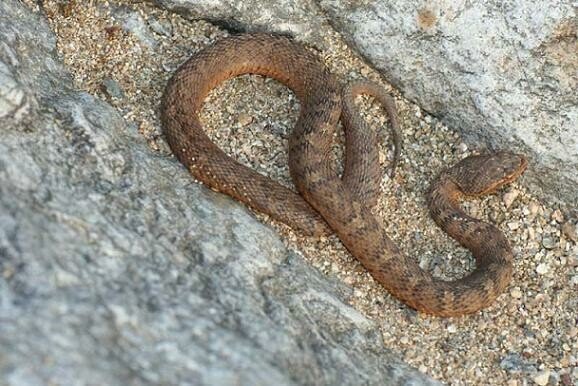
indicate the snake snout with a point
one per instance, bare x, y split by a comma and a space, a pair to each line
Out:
483, 174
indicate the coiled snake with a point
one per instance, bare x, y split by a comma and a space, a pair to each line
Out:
328, 202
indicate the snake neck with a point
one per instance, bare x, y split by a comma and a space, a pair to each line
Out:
484, 240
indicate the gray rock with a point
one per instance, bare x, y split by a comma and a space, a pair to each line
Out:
112, 88
300, 18
135, 24
117, 269
505, 74
514, 363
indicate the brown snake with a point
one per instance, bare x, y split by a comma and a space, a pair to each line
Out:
328, 202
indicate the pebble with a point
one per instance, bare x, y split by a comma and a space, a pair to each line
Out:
514, 363
557, 216
509, 197
569, 231
549, 243
161, 27
542, 269
566, 380
112, 88
542, 378
462, 147
452, 328
534, 208
516, 293
245, 119
514, 225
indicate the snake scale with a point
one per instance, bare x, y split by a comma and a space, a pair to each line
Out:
328, 202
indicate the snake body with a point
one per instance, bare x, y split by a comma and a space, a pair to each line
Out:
327, 202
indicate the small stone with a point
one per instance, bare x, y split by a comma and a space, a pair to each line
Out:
462, 147
509, 197
512, 382
566, 380
534, 208
245, 119
542, 268
515, 363
557, 216
513, 225
452, 328
112, 88
161, 27
542, 378
516, 293
569, 231
549, 243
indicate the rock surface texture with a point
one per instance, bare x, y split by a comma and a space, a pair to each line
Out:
505, 74
117, 269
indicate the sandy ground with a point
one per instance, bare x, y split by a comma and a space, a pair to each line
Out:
528, 336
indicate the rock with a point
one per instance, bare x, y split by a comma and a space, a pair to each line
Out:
513, 225
514, 363
112, 88
134, 23
557, 216
542, 269
509, 197
161, 27
116, 269
516, 293
300, 18
244, 119
505, 76
549, 243
566, 380
534, 208
541, 378
569, 231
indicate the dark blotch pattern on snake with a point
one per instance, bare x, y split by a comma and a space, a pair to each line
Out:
327, 202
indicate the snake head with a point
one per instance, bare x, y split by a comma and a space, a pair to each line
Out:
482, 174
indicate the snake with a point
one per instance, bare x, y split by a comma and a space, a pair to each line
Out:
326, 200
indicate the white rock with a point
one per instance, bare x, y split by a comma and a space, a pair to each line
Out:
534, 208
557, 216
542, 378
513, 225
509, 197
542, 269
549, 243
516, 293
